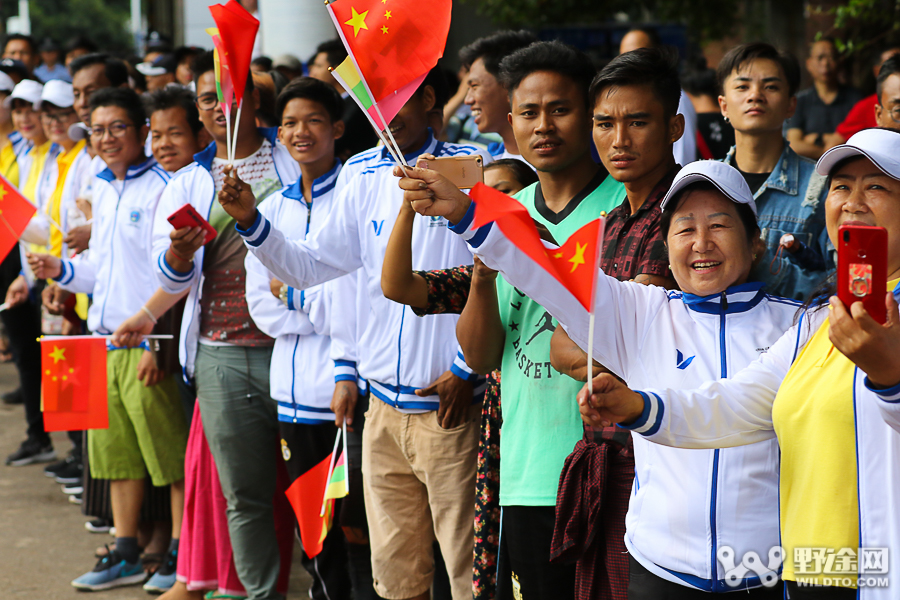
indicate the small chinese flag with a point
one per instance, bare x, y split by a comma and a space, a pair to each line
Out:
574, 264
394, 42
305, 496
15, 213
73, 382
237, 32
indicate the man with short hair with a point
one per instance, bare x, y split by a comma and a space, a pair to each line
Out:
359, 134
759, 86
22, 48
887, 111
51, 66
147, 432
487, 98
176, 132
821, 108
420, 437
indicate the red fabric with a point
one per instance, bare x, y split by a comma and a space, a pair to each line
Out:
237, 30
73, 380
15, 213
395, 42
305, 495
205, 558
574, 264
861, 116
591, 504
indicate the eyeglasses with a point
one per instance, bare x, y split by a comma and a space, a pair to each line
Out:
207, 101
115, 130
58, 117
895, 114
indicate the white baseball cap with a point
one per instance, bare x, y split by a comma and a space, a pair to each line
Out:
6, 82
27, 90
881, 146
56, 92
726, 178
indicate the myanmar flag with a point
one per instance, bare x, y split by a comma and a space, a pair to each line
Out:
574, 264
394, 42
73, 383
305, 496
348, 76
15, 213
237, 33
337, 485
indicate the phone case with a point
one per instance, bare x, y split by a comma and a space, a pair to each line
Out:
463, 171
187, 216
862, 268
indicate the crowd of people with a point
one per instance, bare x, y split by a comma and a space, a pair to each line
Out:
342, 290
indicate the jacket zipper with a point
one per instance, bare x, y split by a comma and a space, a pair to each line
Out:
112, 256
715, 474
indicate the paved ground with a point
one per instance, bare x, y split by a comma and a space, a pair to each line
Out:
43, 542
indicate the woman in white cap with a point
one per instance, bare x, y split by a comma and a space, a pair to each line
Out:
828, 391
11, 143
27, 122
690, 510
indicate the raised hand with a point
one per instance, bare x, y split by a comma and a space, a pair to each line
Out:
237, 199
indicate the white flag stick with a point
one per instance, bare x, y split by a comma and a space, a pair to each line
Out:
161, 336
347, 454
590, 358
226, 106
237, 123
337, 439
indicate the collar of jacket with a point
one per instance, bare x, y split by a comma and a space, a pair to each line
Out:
738, 298
785, 177
431, 146
132, 172
321, 185
205, 157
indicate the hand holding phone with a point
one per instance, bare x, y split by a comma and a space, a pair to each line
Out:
862, 268
463, 171
187, 216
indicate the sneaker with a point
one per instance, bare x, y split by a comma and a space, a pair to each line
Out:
71, 473
53, 468
98, 525
164, 578
73, 488
13, 397
111, 571
30, 452
75, 499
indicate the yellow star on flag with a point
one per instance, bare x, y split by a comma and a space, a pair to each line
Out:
558, 255
384, 29
357, 21
578, 259
387, 14
58, 354
2, 192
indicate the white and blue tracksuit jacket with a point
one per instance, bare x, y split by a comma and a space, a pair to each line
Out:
194, 184
117, 270
737, 411
398, 353
300, 374
685, 504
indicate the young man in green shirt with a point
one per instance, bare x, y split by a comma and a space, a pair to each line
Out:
501, 328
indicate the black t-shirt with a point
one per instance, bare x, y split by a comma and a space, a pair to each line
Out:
814, 116
717, 133
754, 180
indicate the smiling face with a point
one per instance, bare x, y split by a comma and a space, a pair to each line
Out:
410, 126
709, 249
56, 122
488, 99
172, 140
27, 121
632, 133
118, 147
757, 98
550, 121
213, 120
307, 131
861, 194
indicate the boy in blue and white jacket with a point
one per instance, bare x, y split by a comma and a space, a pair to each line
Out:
407, 361
300, 377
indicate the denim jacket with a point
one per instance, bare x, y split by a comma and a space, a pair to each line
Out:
792, 200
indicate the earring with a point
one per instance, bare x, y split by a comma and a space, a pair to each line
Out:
727, 120
754, 256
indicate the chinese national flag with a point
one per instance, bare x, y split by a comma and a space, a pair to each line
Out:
305, 496
73, 382
574, 264
237, 31
15, 213
394, 42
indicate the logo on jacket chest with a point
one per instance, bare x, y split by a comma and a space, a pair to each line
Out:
681, 362
135, 216
377, 226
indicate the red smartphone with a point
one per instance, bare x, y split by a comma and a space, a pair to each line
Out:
862, 268
187, 216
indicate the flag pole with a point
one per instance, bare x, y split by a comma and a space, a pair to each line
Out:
155, 336
590, 356
347, 454
237, 122
398, 155
601, 230
226, 108
337, 439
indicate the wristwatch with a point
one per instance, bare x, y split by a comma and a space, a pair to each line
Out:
283, 293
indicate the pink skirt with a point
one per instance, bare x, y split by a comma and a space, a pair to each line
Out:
205, 559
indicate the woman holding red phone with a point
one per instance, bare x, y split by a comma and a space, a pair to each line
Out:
829, 390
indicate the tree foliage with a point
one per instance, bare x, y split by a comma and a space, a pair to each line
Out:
707, 19
103, 21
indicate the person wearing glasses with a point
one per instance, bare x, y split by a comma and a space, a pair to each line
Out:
221, 350
147, 431
887, 111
